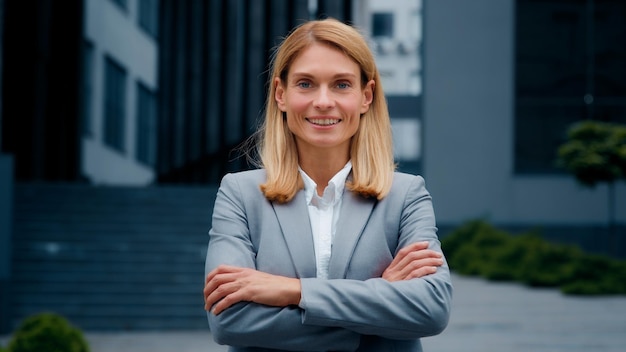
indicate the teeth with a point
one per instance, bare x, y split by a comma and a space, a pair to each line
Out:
324, 122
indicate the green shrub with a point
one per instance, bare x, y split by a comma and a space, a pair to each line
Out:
47, 332
506, 263
546, 264
477, 248
471, 249
597, 275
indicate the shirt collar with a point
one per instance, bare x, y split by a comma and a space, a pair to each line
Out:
332, 192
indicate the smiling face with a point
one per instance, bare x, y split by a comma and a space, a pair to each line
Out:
323, 99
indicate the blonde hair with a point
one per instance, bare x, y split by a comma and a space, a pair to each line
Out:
371, 148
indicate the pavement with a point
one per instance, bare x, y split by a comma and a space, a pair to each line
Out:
486, 316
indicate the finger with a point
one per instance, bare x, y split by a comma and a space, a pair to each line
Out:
218, 287
210, 285
228, 300
417, 254
415, 266
421, 272
215, 300
403, 252
221, 269
432, 259
218, 276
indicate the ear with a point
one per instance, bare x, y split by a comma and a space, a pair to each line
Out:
368, 96
279, 94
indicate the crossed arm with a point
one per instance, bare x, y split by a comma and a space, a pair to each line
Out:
249, 307
227, 285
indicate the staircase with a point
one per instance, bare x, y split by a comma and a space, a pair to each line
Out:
111, 258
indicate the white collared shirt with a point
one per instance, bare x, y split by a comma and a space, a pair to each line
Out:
324, 213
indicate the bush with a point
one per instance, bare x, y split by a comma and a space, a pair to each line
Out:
546, 264
472, 248
477, 248
47, 332
597, 275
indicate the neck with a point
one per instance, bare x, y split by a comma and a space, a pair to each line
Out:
322, 169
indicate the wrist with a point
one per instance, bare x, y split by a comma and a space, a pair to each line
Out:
296, 292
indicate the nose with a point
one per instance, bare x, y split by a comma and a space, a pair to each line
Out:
323, 99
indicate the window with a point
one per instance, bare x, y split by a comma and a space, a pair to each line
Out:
149, 16
382, 24
114, 105
87, 98
569, 67
146, 125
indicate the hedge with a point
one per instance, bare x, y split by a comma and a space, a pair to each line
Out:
479, 249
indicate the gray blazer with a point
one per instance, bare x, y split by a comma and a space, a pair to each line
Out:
355, 309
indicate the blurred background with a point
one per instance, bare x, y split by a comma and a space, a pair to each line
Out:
118, 118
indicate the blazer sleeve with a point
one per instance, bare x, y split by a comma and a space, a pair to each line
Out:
248, 323
397, 310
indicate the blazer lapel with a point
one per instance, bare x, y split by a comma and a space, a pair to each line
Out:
295, 225
355, 211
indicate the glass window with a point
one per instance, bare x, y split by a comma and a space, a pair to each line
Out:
382, 25
114, 104
146, 125
149, 16
569, 67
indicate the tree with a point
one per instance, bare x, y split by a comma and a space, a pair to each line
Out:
595, 152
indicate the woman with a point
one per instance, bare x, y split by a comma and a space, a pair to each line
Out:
325, 248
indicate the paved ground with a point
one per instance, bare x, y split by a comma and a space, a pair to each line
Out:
486, 317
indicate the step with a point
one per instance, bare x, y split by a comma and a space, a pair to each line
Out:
111, 258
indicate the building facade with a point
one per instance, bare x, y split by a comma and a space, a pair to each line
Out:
502, 82
481, 93
119, 92
140, 92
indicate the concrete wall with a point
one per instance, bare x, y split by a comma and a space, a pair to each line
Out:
116, 33
469, 126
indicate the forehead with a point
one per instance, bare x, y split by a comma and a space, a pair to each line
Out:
323, 58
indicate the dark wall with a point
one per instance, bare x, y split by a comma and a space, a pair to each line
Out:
213, 60
40, 95
213, 57
6, 230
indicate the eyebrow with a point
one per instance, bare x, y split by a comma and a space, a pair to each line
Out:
335, 76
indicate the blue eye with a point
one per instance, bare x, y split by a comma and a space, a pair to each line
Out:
343, 85
304, 84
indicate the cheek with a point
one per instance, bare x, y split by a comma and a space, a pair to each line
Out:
353, 107
297, 105
295, 125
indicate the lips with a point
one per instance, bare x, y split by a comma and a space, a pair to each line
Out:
323, 122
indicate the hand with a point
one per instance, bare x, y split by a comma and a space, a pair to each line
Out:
227, 285
413, 261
